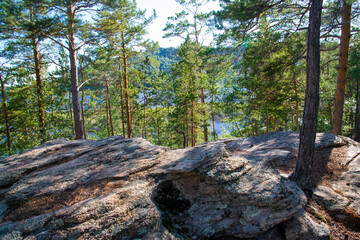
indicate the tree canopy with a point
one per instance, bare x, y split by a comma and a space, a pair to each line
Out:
89, 69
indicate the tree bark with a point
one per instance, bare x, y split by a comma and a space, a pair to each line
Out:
6, 118
296, 103
122, 99
144, 126
204, 116
71, 114
127, 100
186, 124
82, 102
74, 74
39, 89
343, 66
109, 107
252, 118
82, 110
107, 115
330, 113
357, 127
213, 117
303, 170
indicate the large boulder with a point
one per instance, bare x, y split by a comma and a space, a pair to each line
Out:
119, 188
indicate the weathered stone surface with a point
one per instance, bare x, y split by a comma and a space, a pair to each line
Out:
302, 227
223, 194
3, 208
330, 199
119, 188
279, 148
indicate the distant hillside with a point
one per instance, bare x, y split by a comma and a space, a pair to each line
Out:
167, 57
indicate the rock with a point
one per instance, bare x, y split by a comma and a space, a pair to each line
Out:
223, 194
282, 140
3, 208
302, 227
343, 196
330, 199
279, 148
120, 188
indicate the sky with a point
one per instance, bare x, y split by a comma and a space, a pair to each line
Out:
165, 9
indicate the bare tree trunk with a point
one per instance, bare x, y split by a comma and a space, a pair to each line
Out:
296, 102
82, 102
127, 100
74, 74
39, 89
252, 119
82, 110
6, 118
213, 116
302, 174
204, 116
109, 107
273, 124
187, 124
184, 137
330, 113
122, 99
157, 121
71, 114
144, 109
107, 116
357, 127
343, 66
192, 124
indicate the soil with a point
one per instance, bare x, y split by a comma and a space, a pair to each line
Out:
328, 168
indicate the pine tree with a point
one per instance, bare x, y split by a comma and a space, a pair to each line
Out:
68, 25
123, 26
23, 25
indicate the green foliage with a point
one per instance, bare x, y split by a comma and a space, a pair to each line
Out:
251, 83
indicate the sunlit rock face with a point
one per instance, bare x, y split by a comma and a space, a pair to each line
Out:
119, 188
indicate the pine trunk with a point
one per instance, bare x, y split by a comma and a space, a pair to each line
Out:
304, 166
6, 118
144, 126
107, 116
252, 119
343, 66
109, 107
74, 75
204, 116
82, 110
186, 125
82, 102
39, 91
357, 127
213, 116
71, 115
296, 103
127, 100
192, 124
122, 99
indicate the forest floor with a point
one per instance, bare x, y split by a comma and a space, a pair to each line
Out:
327, 170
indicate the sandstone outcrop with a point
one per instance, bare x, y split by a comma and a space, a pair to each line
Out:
119, 188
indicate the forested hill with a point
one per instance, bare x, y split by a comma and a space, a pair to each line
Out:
167, 57
63, 75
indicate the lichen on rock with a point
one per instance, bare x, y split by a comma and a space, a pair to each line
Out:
119, 188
